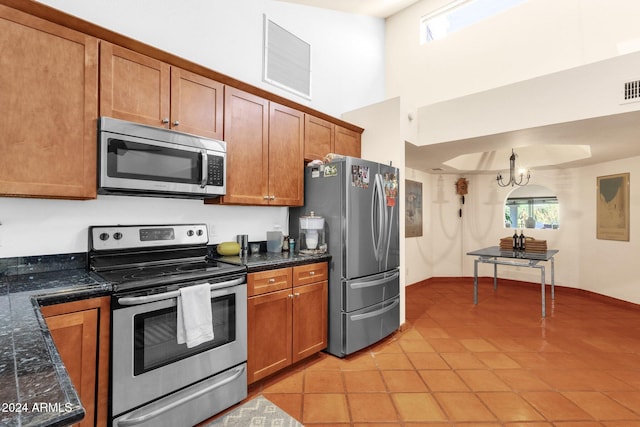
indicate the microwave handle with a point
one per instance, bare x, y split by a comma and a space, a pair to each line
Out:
205, 169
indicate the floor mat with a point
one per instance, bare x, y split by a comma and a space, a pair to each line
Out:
257, 412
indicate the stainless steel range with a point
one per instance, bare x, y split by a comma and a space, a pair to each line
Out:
155, 380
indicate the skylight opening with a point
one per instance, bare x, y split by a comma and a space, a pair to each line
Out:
460, 14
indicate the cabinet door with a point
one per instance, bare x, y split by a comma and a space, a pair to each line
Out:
196, 104
49, 92
318, 138
246, 131
80, 331
347, 142
286, 162
133, 86
269, 333
75, 337
309, 319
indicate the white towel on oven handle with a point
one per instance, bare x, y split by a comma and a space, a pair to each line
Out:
195, 325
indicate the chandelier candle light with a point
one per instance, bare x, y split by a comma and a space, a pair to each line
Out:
512, 176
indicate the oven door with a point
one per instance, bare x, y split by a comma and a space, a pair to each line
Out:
147, 361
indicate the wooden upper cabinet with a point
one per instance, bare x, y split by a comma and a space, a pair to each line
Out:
246, 131
133, 86
196, 104
347, 142
319, 138
141, 89
322, 137
265, 143
286, 162
49, 92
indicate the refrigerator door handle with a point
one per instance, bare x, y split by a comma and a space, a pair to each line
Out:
376, 312
359, 285
378, 203
375, 205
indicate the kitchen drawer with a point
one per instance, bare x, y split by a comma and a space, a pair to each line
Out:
309, 273
263, 282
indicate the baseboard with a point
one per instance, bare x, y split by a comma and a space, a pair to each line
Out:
565, 289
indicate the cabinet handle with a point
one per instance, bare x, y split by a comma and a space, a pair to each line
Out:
312, 273
266, 197
290, 296
176, 123
272, 280
272, 197
297, 294
165, 120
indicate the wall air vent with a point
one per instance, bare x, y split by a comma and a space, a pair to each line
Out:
287, 60
631, 91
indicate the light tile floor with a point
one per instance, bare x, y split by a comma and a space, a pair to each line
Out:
495, 364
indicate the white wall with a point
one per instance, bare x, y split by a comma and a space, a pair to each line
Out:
226, 36
535, 38
419, 252
603, 266
347, 51
41, 227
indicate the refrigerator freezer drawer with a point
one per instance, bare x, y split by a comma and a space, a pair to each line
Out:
369, 325
370, 290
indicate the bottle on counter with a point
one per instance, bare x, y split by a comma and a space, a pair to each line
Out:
285, 244
292, 245
516, 240
522, 240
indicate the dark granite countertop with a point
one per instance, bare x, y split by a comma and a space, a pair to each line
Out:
270, 260
35, 389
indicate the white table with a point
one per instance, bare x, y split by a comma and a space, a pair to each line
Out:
494, 255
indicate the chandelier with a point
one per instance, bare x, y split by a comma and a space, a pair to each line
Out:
514, 179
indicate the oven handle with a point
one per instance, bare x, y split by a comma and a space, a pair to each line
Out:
173, 294
124, 422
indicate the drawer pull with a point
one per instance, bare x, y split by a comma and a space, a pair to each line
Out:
312, 273
272, 280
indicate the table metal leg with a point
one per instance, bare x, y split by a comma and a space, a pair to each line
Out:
553, 280
495, 276
542, 285
475, 281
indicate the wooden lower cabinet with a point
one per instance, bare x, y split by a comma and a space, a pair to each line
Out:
80, 331
288, 324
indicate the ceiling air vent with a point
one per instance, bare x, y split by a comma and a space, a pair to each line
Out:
631, 91
287, 60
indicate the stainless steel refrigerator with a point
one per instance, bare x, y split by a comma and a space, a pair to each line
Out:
359, 201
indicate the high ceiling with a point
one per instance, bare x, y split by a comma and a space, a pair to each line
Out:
558, 146
563, 145
377, 8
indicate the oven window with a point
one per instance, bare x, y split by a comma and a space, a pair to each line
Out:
155, 335
127, 159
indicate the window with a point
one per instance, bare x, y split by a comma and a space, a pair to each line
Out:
532, 206
460, 14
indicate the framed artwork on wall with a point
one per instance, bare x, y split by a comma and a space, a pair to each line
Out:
612, 211
413, 209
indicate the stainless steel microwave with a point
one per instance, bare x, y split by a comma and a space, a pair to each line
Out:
142, 160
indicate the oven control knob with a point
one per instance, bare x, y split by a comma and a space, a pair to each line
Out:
199, 232
190, 233
104, 236
117, 235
